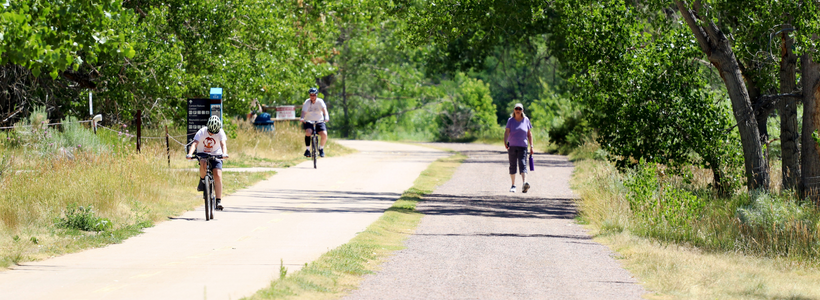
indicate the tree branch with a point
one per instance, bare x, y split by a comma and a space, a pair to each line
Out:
700, 34
768, 102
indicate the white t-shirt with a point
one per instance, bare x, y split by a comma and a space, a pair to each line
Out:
315, 111
209, 143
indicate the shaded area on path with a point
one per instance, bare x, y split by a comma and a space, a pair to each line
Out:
478, 241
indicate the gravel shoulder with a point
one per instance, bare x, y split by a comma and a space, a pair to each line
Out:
478, 241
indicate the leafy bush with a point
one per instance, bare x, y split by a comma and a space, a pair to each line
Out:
655, 203
83, 218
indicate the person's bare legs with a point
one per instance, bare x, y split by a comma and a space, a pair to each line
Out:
323, 136
202, 165
218, 182
523, 177
512, 178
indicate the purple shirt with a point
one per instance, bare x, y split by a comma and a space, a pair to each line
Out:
518, 131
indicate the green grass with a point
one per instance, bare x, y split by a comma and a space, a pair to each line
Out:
340, 270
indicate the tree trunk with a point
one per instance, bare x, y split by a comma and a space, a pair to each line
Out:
787, 108
345, 108
810, 77
716, 47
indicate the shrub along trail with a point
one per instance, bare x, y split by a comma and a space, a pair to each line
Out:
478, 241
295, 216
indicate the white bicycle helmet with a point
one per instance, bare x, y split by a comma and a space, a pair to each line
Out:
214, 124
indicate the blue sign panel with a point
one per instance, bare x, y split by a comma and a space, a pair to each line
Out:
216, 93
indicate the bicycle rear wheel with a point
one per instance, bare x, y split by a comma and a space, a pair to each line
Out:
315, 149
207, 195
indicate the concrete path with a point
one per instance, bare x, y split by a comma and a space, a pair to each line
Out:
479, 241
296, 215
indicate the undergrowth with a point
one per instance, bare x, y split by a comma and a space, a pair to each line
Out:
681, 208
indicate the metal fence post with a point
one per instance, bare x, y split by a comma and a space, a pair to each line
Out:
167, 146
139, 129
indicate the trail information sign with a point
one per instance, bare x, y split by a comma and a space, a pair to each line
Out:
199, 110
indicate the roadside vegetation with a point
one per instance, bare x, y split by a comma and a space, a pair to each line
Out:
683, 240
340, 270
65, 189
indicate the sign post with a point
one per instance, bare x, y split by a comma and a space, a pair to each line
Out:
216, 106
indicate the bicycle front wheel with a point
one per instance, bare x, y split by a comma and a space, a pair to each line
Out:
315, 150
213, 199
207, 195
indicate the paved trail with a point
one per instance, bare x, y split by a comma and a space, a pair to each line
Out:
296, 215
478, 241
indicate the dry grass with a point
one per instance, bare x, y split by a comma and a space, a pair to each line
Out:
678, 272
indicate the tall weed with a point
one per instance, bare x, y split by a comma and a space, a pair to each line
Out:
780, 226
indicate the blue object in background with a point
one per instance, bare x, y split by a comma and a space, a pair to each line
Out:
263, 122
216, 93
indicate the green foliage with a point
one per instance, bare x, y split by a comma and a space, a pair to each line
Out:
468, 110
54, 36
655, 204
83, 218
643, 91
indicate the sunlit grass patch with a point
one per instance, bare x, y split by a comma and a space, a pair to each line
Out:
340, 270
680, 272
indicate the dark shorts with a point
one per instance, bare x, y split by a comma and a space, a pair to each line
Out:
319, 126
518, 159
217, 164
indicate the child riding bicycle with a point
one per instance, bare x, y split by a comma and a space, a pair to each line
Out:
210, 139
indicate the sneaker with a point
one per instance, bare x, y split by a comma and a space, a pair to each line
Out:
526, 187
201, 186
218, 204
321, 152
307, 153
512, 189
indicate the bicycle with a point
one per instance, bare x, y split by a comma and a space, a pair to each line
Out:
209, 193
314, 143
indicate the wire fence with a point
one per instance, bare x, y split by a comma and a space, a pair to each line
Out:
123, 133
49, 124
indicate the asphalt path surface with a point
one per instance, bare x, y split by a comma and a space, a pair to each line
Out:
479, 241
296, 215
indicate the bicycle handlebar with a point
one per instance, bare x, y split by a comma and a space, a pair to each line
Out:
203, 155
